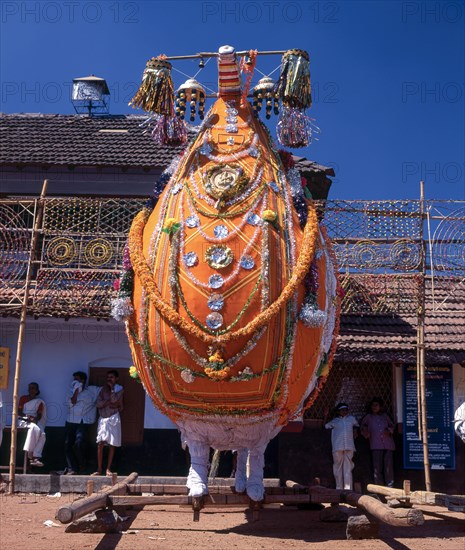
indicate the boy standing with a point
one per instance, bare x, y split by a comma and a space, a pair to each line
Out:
342, 441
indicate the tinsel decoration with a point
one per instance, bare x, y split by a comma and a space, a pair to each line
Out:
297, 184
165, 178
264, 91
247, 67
295, 129
168, 130
298, 197
155, 94
191, 92
293, 87
121, 307
310, 314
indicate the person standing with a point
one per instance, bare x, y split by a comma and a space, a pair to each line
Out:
32, 415
81, 414
379, 428
109, 405
343, 428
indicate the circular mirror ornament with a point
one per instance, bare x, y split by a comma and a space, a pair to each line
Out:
216, 301
215, 281
219, 256
214, 320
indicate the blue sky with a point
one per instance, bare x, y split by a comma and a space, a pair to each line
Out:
388, 76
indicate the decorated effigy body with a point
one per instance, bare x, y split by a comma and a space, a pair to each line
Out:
229, 292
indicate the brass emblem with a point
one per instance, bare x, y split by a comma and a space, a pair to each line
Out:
225, 182
219, 256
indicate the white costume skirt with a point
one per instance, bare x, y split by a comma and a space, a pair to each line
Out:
109, 430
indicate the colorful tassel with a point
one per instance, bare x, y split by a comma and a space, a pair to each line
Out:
156, 94
295, 129
169, 130
293, 86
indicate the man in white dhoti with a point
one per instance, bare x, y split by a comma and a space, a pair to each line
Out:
109, 405
32, 415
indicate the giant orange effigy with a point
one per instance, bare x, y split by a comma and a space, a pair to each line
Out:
233, 298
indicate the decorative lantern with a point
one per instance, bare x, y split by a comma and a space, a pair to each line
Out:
193, 92
264, 90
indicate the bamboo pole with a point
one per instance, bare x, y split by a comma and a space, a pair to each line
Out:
421, 347
201, 55
21, 333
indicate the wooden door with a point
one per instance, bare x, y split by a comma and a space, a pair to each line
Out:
132, 416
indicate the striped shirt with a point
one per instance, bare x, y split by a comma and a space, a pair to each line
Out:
342, 435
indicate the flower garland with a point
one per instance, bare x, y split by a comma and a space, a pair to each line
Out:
142, 271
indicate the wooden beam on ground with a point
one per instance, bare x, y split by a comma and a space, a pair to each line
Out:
400, 517
419, 497
209, 500
159, 489
81, 507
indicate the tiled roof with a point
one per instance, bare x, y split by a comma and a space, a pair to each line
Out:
389, 337
79, 140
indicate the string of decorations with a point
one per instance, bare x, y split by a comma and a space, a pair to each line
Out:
167, 108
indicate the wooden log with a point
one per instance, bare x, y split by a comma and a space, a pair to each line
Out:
401, 517
81, 507
419, 497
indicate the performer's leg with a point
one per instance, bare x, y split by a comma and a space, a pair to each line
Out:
197, 480
256, 463
240, 483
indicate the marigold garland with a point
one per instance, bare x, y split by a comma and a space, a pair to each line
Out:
146, 278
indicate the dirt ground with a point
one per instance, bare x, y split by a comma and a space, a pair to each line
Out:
22, 526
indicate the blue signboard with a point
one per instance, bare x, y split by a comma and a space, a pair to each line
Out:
439, 406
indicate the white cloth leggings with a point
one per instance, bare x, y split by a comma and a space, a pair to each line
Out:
342, 469
35, 439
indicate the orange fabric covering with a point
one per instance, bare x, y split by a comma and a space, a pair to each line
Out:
279, 389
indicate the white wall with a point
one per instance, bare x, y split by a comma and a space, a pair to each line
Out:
53, 349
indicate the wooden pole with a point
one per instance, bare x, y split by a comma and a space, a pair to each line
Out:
419, 497
81, 507
22, 329
421, 346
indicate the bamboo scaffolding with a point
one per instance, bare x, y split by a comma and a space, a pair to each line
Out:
421, 376
21, 332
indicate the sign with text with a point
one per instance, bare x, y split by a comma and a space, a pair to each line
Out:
4, 365
439, 406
